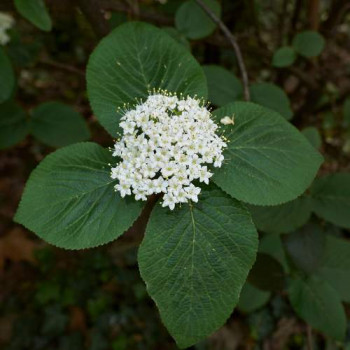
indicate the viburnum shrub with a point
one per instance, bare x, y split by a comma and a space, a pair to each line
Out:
202, 166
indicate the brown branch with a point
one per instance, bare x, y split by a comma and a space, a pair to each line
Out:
234, 44
314, 14
62, 66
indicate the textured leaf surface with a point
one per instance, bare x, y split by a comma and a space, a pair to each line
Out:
306, 247
331, 198
57, 124
195, 260
335, 266
313, 135
284, 57
223, 86
192, 20
13, 124
271, 96
252, 298
7, 77
315, 301
69, 199
282, 218
267, 161
308, 43
35, 12
131, 61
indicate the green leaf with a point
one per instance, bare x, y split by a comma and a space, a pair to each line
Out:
282, 218
284, 57
131, 61
57, 124
272, 245
223, 85
195, 261
312, 134
331, 198
317, 303
306, 247
13, 124
177, 36
308, 43
7, 77
69, 200
271, 96
267, 273
267, 161
193, 21
252, 299
35, 12
346, 113
335, 266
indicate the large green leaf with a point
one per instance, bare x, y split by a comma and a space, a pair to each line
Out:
282, 218
192, 20
315, 301
7, 77
267, 161
223, 86
70, 202
335, 266
131, 61
331, 198
252, 298
35, 12
306, 247
271, 96
195, 260
308, 43
13, 124
57, 124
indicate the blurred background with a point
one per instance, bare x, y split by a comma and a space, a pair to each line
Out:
95, 299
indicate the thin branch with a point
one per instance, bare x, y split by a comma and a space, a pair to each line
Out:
234, 44
62, 66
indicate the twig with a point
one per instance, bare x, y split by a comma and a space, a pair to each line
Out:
234, 44
309, 337
62, 66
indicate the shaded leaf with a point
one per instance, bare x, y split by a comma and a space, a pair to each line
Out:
308, 43
313, 135
7, 76
284, 57
252, 298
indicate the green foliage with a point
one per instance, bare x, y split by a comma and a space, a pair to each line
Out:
223, 86
331, 198
306, 247
346, 113
7, 77
35, 12
57, 124
13, 124
267, 273
195, 261
284, 57
315, 301
282, 218
131, 61
177, 36
192, 20
312, 134
335, 266
252, 298
271, 96
308, 43
267, 163
70, 202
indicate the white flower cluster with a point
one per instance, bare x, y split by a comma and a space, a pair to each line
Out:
167, 144
6, 22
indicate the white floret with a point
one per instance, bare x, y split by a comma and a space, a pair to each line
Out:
166, 147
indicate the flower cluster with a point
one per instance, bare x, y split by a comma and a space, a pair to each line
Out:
6, 22
166, 147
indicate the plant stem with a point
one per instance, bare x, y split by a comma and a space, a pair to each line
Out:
234, 44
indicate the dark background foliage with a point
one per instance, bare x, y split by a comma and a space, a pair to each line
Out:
95, 299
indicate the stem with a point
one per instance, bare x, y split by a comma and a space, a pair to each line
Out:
234, 44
